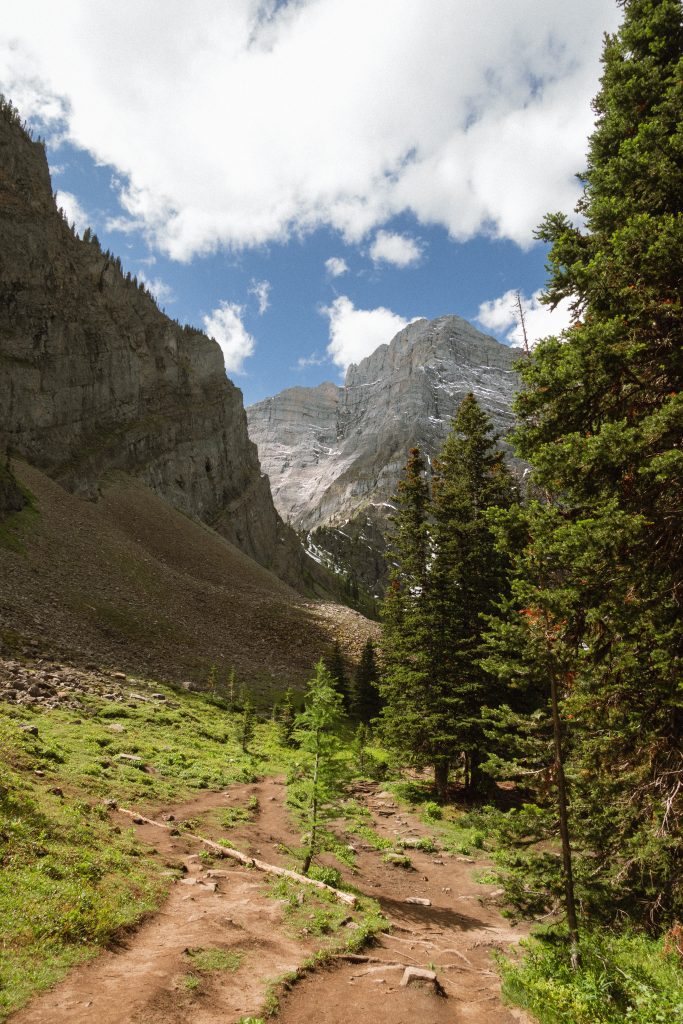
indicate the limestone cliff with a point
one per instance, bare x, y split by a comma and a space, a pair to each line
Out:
334, 454
94, 378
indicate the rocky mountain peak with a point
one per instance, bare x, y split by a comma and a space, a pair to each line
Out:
334, 455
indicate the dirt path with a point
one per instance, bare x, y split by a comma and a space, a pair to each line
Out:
144, 980
454, 936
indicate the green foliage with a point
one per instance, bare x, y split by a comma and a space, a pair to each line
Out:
244, 726
432, 811
597, 562
366, 702
622, 977
337, 669
448, 573
318, 785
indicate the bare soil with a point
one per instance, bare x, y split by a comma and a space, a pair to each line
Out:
144, 979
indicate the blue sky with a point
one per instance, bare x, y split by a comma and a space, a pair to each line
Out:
300, 179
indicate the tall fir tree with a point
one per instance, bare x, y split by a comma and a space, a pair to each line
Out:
601, 420
366, 702
414, 719
448, 575
468, 572
337, 668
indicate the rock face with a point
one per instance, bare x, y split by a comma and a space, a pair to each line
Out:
334, 455
94, 378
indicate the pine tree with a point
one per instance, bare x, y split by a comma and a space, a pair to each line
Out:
316, 792
245, 725
286, 720
337, 669
414, 718
601, 417
468, 573
366, 702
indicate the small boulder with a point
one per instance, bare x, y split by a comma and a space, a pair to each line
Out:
420, 976
419, 901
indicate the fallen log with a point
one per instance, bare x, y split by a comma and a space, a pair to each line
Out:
246, 860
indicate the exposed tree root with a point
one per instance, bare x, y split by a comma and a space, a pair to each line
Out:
246, 860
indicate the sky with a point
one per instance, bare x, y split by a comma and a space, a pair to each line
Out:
301, 178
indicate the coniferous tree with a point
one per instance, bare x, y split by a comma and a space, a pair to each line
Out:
415, 718
316, 792
468, 572
601, 421
337, 669
245, 725
286, 719
366, 702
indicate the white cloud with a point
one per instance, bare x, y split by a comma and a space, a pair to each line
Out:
336, 266
471, 116
355, 333
225, 326
161, 291
400, 250
502, 317
73, 211
261, 289
313, 360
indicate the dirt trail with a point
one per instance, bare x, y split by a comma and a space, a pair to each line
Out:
143, 980
455, 936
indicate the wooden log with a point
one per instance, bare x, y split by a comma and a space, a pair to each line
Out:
250, 862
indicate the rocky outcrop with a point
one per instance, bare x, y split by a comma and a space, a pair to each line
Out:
94, 378
334, 455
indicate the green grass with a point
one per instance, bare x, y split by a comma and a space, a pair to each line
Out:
623, 978
214, 959
69, 880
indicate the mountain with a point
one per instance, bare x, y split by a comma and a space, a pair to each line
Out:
133, 509
334, 455
96, 378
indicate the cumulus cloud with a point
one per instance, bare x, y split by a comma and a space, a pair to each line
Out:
261, 289
336, 266
355, 333
73, 211
400, 250
502, 317
161, 291
471, 116
225, 326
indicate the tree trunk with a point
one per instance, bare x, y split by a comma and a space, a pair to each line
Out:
570, 904
441, 769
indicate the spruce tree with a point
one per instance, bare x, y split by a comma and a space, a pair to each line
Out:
337, 669
468, 572
601, 421
366, 702
414, 719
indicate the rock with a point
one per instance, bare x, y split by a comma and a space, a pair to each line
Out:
334, 454
132, 759
95, 378
56, 791
189, 686
118, 675
419, 976
158, 696
30, 730
110, 804
116, 727
418, 901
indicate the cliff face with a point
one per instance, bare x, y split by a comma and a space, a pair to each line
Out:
94, 378
334, 455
